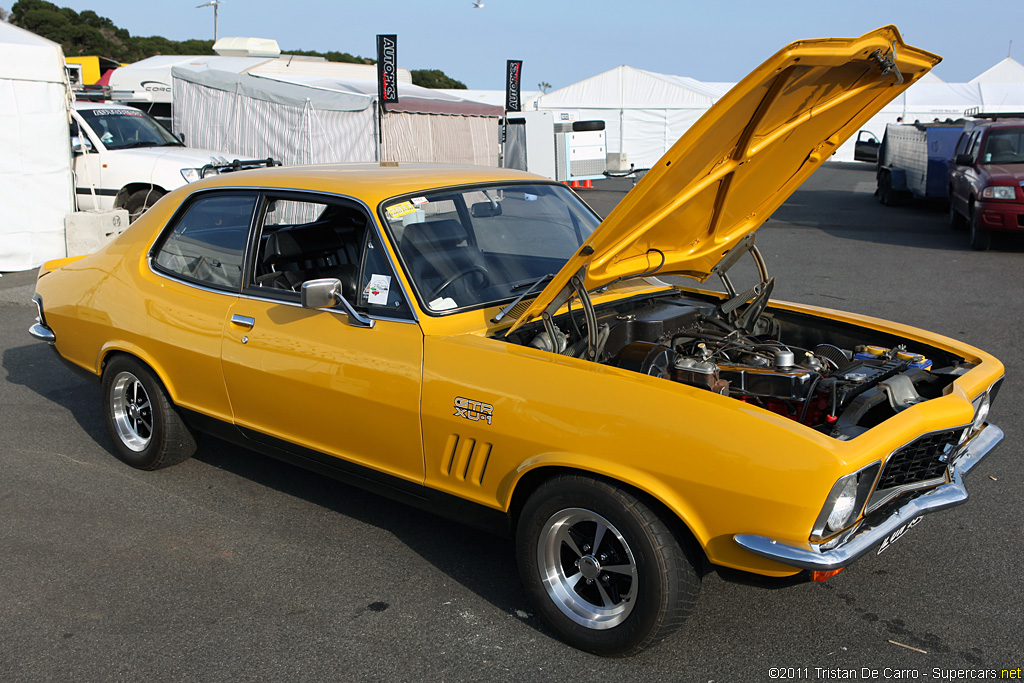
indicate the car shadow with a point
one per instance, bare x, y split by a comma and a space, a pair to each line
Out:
36, 367
481, 562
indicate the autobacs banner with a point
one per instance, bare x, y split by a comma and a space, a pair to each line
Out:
387, 68
514, 73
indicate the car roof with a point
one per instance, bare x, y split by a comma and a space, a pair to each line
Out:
372, 182
102, 105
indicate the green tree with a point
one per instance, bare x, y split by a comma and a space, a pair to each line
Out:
435, 78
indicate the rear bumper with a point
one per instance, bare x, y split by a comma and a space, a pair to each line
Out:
884, 525
42, 333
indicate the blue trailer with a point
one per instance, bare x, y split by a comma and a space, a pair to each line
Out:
913, 159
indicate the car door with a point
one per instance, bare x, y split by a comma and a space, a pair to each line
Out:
319, 382
957, 183
196, 275
90, 194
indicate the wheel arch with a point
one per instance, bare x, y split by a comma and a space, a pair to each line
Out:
108, 353
680, 518
127, 190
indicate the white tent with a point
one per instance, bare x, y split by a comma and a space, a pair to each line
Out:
36, 186
308, 118
1007, 71
644, 112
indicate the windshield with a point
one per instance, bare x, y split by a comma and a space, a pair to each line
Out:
1004, 146
125, 128
478, 246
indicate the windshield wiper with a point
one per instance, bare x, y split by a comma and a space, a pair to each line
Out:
531, 286
139, 143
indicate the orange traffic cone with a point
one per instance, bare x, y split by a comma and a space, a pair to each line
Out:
575, 184
587, 185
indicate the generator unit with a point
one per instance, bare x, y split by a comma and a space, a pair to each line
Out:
555, 146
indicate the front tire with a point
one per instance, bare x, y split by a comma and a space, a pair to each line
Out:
146, 429
602, 567
140, 201
981, 239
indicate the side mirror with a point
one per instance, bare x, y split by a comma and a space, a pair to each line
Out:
80, 144
326, 293
322, 293
964, 160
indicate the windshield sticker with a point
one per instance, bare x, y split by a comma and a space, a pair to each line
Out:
419, 200
442, 303
396, 211
377, 289
116, 112
529, 197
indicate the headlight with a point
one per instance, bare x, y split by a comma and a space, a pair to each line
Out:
844, 506
845, 501
999, 192
981, 408
193, 174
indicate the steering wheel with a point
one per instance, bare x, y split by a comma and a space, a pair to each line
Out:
485, 279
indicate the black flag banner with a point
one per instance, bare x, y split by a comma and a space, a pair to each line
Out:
387, 68
512, 78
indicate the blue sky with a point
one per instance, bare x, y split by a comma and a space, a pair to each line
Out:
562, 42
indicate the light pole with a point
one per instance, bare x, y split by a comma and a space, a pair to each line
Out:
215, 4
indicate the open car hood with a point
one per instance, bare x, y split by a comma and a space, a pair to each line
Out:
736, 165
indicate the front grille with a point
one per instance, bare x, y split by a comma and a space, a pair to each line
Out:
921, 460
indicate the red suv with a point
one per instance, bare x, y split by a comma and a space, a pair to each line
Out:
985, 179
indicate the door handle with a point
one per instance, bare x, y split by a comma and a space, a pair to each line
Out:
243, 321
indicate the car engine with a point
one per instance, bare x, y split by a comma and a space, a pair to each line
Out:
838, 378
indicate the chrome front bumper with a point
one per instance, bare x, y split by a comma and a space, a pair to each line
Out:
873, 532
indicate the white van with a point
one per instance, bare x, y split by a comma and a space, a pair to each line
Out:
125, 159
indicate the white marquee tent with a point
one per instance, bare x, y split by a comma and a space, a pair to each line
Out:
226, 103
644, 112
36, 187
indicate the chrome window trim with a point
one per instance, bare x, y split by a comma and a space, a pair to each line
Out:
270, 300
241, 293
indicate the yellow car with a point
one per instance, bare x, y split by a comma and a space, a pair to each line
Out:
479, 343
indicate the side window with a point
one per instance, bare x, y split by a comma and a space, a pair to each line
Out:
380, 293
306, 239
974, 144
207, 243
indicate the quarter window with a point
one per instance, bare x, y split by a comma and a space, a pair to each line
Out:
207, 244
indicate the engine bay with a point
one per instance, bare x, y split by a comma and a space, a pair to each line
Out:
838, 378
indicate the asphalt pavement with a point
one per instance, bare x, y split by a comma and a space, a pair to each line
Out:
233, 566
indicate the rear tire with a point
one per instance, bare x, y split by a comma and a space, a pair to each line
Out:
885, 192
602, 567
146, 429
981, 239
